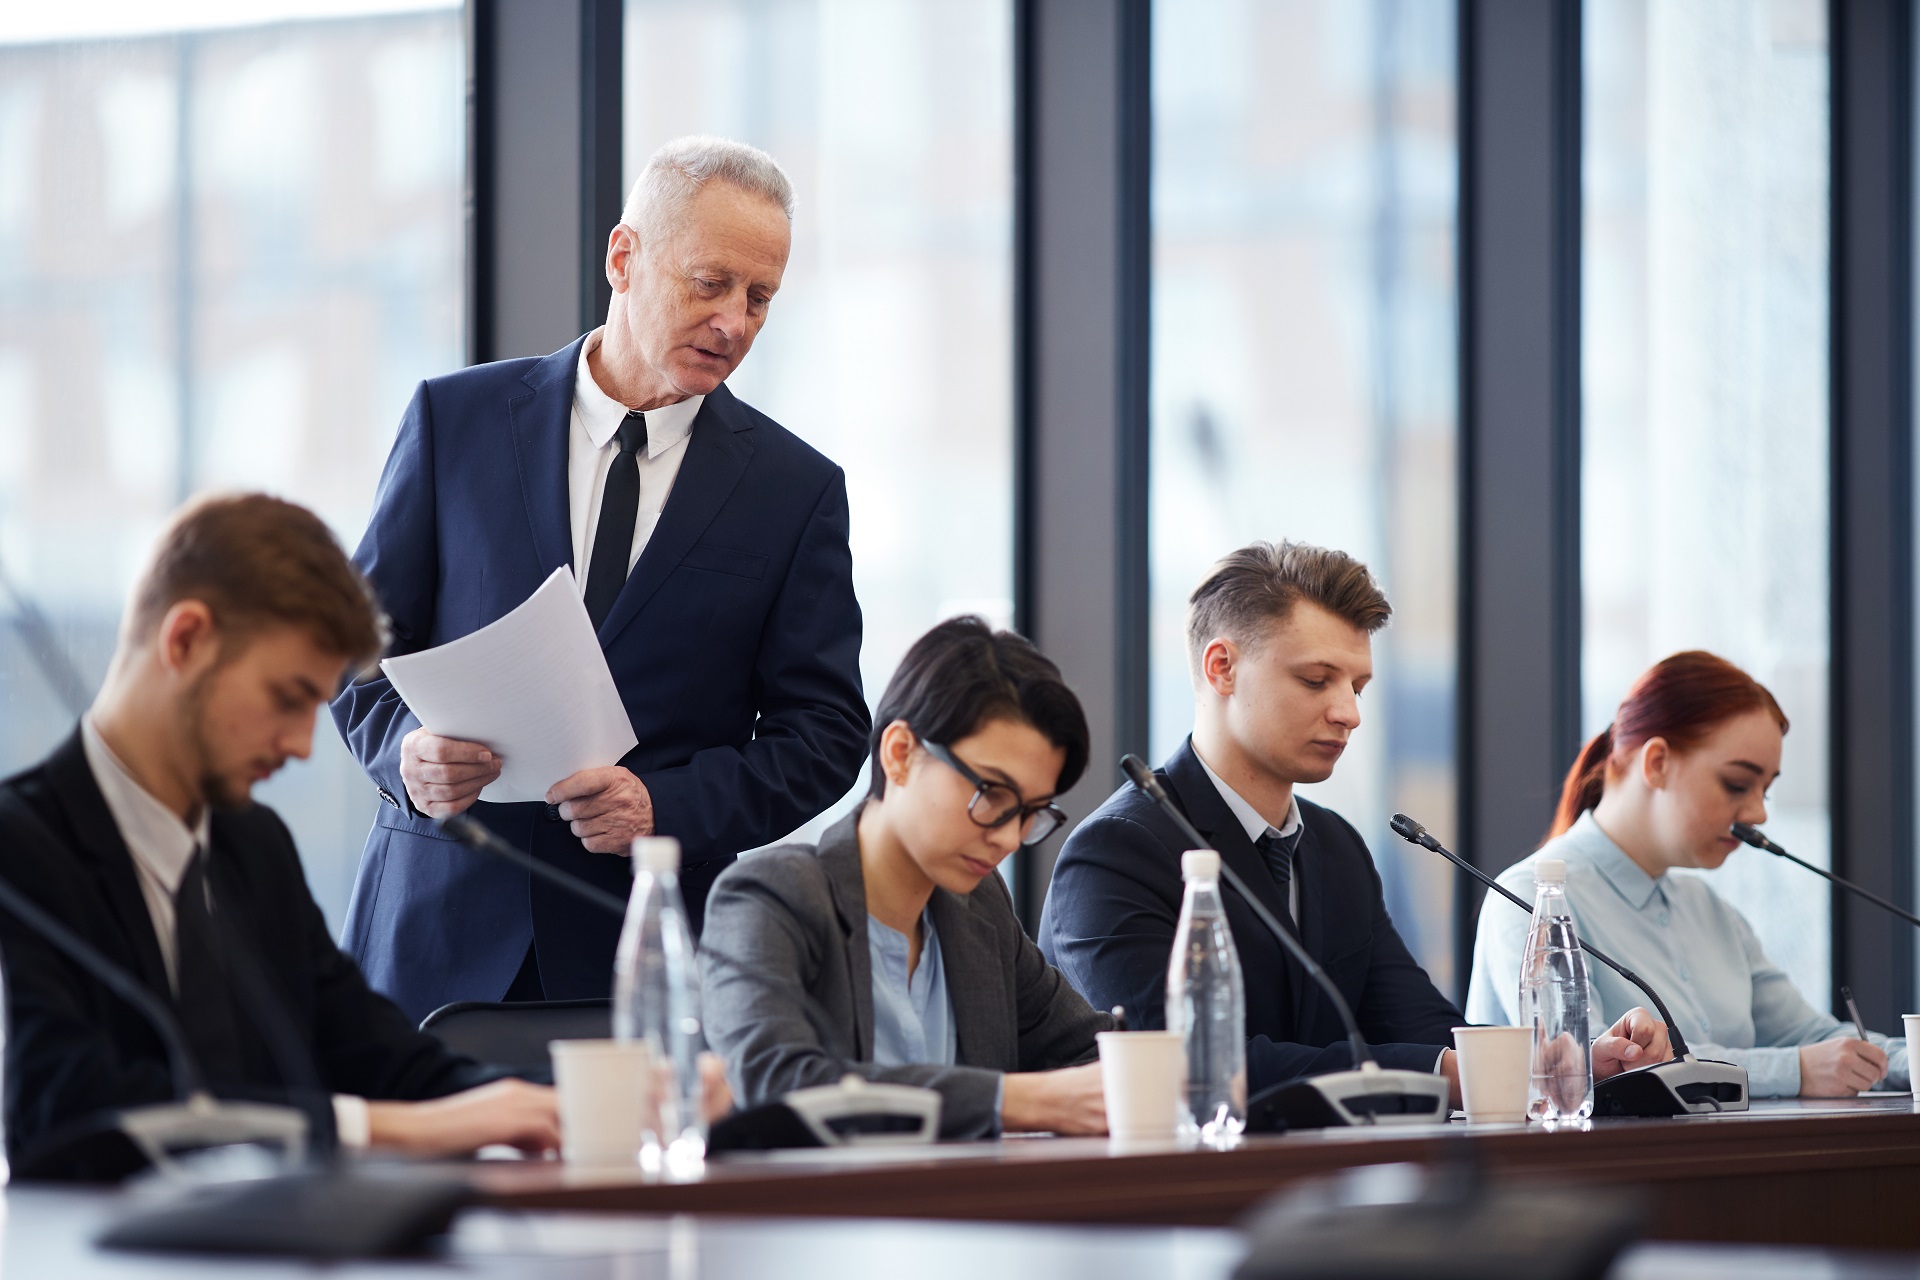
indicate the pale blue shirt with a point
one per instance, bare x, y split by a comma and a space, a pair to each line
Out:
912, 1016
1690, 944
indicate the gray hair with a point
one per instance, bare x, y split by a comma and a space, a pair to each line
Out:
676, 172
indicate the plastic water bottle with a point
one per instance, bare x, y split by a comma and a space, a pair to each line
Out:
1553, 1001
1207, 1005
656, 998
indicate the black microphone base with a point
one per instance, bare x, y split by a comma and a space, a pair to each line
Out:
1371, 1095
1686, 1086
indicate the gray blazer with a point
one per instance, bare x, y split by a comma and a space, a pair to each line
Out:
788, 984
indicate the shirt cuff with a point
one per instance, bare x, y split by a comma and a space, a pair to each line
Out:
1440, 1061
352, 1124
999, 1098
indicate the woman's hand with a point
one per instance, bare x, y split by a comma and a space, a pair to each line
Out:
1840, 1068
1071, 1101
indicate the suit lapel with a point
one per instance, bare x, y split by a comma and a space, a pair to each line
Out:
839, 853
71, 780
1194, 791
976, 982
542, 420
718, 450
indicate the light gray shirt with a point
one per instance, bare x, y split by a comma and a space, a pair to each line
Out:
1256, 826
912, 1016
1690, 944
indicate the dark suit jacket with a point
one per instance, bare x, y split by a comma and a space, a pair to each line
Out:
1115, 900
735, 645
75, 1049
787, 980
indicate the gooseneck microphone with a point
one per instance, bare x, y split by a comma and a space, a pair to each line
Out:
1758, 839
1367, 1094
1681, 1087
474, 834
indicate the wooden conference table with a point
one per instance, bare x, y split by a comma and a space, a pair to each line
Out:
1840, 1173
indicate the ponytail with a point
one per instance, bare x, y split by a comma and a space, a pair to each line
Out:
1585, 782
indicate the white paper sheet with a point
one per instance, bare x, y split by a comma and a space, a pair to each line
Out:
532, 686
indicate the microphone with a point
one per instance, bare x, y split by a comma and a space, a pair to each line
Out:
196, 1119
1757, 838
474, 834
1367, 1094
1684, 1086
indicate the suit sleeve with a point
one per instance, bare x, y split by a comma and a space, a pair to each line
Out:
400, 556
1057, 1026
1107, 926
813, 721
755, 960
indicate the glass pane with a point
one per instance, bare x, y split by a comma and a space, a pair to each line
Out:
890, 345
1704, 412
1304, 358
226, 254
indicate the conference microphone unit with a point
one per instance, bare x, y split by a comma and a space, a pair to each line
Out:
1754, 836
1366, 1094
474, 834
121, 1142
1685, 1086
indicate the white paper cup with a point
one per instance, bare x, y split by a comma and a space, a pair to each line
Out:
1494, 1063
606, 1099
1143, 1074
1911, 1021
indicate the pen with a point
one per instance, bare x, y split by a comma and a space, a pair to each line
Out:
1853, 1011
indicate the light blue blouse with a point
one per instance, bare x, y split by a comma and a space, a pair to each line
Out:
912, 1016
1690, 945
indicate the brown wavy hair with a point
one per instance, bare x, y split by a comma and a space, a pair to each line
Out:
1681, 699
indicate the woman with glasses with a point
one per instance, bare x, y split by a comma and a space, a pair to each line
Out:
890, 950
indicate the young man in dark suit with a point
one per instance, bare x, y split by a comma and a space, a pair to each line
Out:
140, 835
1279, 644
710, 548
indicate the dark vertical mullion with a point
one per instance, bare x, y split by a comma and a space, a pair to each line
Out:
1519, 477
478, 195
1025, 428
602, 24
1871, 370
1134, 271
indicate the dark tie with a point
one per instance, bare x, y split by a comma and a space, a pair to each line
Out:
619, 512
1278, 851
205, 999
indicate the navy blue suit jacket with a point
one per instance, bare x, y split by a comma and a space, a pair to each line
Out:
1115, 900
735, 645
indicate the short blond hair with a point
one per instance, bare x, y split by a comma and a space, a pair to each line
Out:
677, 171
1247, 592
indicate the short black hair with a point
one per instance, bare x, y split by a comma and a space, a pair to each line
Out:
962, 674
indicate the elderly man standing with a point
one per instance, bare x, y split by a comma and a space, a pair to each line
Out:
710, 546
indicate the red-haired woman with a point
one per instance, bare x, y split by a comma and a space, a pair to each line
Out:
1691, 751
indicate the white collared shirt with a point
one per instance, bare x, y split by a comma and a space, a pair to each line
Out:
1256, 826
161, 844
592, 446
162, 847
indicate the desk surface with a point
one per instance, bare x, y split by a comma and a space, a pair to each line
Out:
1845, 1172
47, 1233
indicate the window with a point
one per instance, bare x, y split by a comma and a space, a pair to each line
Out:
889, 347
226, 254
1704, 490
1304, 364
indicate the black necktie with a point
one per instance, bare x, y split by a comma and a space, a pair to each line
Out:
205, 998
1278, 852
619, 511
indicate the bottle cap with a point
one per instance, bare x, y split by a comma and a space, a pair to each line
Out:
658, 854
1199, 864
1549, 871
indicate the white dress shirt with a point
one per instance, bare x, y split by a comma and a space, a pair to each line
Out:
1256, 826
592, 445
162, 847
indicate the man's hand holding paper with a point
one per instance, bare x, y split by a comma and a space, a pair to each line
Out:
608, 809
444, 776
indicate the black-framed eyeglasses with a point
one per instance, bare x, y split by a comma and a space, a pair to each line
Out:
995, 804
